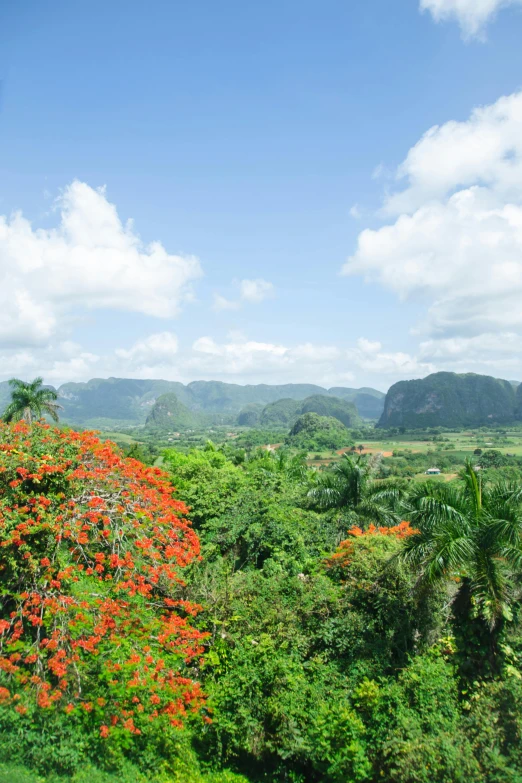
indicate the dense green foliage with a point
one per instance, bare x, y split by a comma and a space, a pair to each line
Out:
168, 413
344, 669
449, 400
337, 650
314, 432
350, 486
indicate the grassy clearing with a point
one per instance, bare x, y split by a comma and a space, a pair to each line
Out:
459, 446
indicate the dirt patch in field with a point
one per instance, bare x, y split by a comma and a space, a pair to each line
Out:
366, 451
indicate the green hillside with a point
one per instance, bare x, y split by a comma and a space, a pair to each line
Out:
280, 414
249, 415
5, 394
169, 414
116, 399
344, 411
449, 400
314, 432
369, 402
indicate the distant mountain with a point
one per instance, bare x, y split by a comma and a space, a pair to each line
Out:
342, 410
5, 395
518, 403
249, 415
122, 400
284, 413
169, 414
450, 400
281, 413
108, 401
117, 401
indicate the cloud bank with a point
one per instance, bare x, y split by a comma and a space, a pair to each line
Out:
455, 241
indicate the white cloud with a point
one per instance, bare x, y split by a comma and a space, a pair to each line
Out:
370, 357
246, 359
153, 350
457, 239
484, 150
355, 212
255, 290
472, 15
91, 260
251, 291
221, 303
65, 361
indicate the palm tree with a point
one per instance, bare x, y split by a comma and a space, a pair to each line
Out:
281, 461
469, 534
30, 400
350, 486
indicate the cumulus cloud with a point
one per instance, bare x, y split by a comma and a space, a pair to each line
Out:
255, 290
91, 260
456, 239
65, 361
484, 150
248, 359
472, 15
157, 349
222, 303
370, 357
252, 291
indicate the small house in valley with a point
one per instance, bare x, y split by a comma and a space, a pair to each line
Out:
433, 472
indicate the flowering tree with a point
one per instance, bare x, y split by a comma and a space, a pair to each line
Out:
344, 553
92, 616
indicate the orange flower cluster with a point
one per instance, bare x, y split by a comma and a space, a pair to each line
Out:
402, 530
343, 554
92, 616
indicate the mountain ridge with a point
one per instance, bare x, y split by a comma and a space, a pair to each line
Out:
128, 401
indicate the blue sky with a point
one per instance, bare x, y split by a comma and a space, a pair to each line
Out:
259, 145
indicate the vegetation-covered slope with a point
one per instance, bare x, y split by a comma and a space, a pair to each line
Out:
118, 399
249, 415
312, 431
284, 413
449, 400
168, 413
518, 402
281, 413
344, 411
369, 402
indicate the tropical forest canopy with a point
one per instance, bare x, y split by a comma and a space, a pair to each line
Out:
239, 613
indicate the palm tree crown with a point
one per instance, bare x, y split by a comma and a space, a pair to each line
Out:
350, 486
469, 533
30, 400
